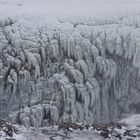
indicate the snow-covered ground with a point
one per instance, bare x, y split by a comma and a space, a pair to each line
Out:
132, 120
129, 128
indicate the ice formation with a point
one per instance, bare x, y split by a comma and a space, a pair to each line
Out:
69, 71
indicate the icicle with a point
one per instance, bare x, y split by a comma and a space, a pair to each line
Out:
32, 60
80, 112
136, 59
82, 66
43, 54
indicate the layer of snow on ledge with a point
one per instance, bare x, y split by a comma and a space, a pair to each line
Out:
69, 7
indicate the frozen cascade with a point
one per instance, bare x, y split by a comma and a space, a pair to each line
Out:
69, 72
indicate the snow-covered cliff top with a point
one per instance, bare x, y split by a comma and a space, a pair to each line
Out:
69, 7
38, 13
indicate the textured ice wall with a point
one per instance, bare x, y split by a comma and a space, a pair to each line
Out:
73, 70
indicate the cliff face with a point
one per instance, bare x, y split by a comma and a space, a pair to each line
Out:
69, 70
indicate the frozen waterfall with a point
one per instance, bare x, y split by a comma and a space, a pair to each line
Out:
69, 71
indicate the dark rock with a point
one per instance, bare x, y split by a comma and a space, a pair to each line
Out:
67, 126
7, 128
10, 139
87, 126
105, 134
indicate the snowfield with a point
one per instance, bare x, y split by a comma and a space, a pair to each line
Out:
69, 7
73, 61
